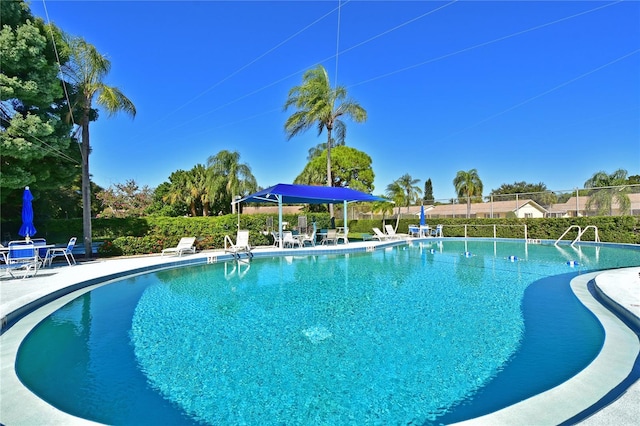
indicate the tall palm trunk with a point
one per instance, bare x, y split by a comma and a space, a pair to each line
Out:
86, 187
329, 180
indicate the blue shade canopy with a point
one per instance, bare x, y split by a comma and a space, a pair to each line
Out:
306, 194
422, 221
27, 228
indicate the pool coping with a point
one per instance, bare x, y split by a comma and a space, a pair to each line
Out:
34, 301
611, 367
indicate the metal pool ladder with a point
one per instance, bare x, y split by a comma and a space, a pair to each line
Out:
580, 233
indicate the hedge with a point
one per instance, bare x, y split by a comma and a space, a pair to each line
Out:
131, 236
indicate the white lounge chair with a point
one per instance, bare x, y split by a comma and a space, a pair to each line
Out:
379, 235
240, 246
62, 251
392, 233
437, 231
186, 245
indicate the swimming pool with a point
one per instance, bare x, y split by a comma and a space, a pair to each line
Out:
414, 333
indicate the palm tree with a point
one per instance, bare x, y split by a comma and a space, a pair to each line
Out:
395, 193
410, 189
384, 207
85, 71
404, 192
227, 178
317, 104
611, 188
468, 184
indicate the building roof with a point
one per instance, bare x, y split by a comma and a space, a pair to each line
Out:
488, 208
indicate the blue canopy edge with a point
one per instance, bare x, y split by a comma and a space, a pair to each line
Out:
308, 194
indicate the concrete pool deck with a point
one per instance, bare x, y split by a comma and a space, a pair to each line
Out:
32, 296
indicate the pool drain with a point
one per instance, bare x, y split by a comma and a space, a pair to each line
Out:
317, 334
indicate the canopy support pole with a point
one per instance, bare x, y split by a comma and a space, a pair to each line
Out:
346, 223
279, 198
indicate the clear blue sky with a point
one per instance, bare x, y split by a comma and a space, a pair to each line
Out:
540, 91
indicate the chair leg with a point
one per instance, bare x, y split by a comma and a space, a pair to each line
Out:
66, 256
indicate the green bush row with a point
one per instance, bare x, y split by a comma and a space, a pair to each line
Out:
619, 229
162, 232
133, 236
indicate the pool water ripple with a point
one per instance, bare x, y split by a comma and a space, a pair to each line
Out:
401, 349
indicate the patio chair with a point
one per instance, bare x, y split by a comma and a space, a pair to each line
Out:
393, 234
379, 235
331, 237
289, 240
186, 245
309, 238
276, 238
342, 235
437, 231
240, 246
425, 230
62, 251
22, 255
302, 224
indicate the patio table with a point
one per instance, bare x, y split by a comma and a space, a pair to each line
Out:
425, 230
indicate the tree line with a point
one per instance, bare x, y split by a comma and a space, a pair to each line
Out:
186, 192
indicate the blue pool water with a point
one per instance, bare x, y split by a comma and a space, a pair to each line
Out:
422, 334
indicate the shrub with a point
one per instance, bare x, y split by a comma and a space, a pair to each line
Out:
131, 236
109, 249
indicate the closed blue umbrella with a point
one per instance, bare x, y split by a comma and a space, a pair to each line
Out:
422, 221
27, 229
